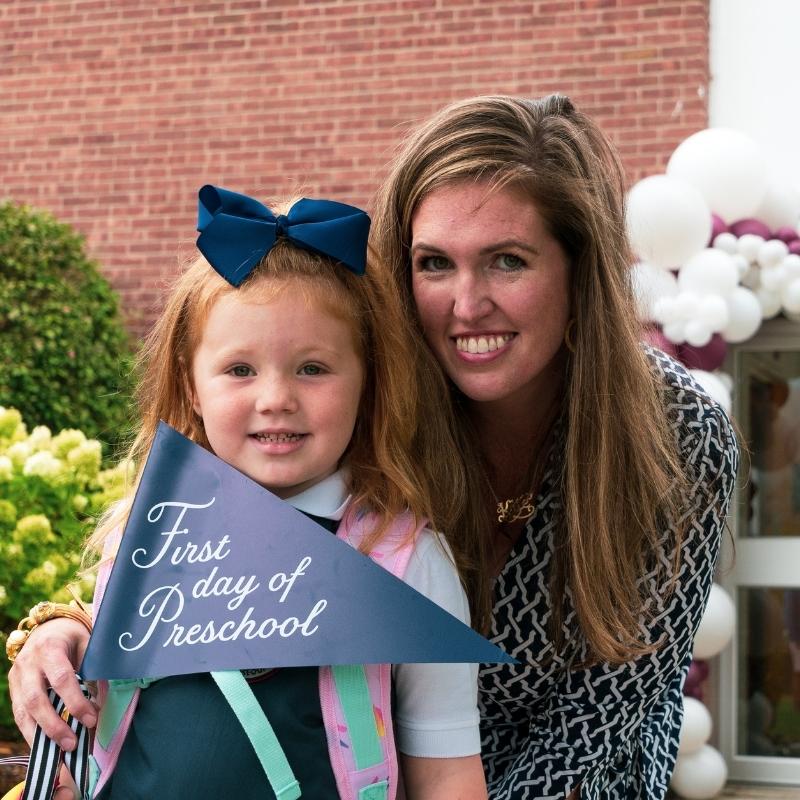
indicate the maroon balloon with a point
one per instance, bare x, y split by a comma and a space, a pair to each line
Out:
718, 226
708, 357
755, 226
695, 678
653, 335
794, 247
787, 234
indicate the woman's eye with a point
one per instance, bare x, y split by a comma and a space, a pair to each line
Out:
432, 264
509, 261
311, 369
240, 371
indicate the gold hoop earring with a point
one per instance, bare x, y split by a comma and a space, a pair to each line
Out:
568, 340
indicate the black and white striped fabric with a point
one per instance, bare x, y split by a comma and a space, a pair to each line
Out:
46, 756
613, 729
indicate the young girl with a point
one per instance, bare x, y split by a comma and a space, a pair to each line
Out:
300, 373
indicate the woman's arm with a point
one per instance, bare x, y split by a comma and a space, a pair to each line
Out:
50, 656
434, 778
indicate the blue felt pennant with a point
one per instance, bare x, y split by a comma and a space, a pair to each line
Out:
214, 572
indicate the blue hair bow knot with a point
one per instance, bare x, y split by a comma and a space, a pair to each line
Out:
236, 232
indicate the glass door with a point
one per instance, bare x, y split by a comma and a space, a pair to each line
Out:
759, 709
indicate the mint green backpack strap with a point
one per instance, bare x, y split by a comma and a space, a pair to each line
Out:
118, 699
356, 703
270, 754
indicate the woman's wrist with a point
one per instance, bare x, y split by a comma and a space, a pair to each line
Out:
40, 614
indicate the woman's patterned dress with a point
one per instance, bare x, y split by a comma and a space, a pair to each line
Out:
614, 729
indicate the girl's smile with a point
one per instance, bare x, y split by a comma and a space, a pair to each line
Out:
278, 385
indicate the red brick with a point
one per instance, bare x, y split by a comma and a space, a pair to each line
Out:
117, 110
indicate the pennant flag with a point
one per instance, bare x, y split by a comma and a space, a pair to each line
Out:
214, 572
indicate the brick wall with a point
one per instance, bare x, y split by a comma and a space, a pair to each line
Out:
114, 112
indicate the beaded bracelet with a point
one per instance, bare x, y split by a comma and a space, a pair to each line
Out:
38, 615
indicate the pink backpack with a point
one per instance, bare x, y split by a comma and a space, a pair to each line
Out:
355, 700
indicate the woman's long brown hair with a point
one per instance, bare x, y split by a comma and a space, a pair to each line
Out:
621, 476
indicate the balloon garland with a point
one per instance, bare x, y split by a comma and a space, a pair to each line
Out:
705, 280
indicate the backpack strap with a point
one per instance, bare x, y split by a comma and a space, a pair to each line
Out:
353, 691
356, 700
239, 695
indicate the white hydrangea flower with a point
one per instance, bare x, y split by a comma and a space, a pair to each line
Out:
10, 420
67, 440
44, 464
19, 452
40, 437
85, 459
49, 568
6, 468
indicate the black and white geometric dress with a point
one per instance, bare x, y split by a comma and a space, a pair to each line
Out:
613, 729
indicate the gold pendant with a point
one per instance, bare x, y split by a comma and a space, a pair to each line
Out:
516, 508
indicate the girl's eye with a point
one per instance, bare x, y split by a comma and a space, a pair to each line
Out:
432, 264
240, 371
510, 262
311, 369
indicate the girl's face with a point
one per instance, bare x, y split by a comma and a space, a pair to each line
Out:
278, 386
491, 286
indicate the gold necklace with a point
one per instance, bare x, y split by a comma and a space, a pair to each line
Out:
515, 508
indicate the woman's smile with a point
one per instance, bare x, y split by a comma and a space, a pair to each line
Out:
495, 299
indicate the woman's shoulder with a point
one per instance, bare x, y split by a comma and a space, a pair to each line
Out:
701, 425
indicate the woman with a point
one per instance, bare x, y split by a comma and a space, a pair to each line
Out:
601, 473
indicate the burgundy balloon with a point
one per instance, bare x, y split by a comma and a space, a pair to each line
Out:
708, 357
794, 247
695, 678
718, 226
787, 234
652, 335
755, 226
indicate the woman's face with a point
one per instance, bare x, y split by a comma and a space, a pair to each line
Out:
491, 287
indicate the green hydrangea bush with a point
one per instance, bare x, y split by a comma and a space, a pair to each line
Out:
52, 489
64, 351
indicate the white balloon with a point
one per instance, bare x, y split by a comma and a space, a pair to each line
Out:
696, 726
726, 242
664, 310
792, 266
716, 624
749, 245
710, 271
686, 305
667, 220
714, 387
771, 253
728, 168
726, 379
752, 278
780, 206
699, 775
774, 278
770, 302
791, 297
713, 311
742, 264
697, 333
650, 284
745, 315
675, 331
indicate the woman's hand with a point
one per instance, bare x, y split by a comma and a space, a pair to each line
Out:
453, 778
48, 658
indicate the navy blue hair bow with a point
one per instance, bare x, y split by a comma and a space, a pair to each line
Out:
236, 232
